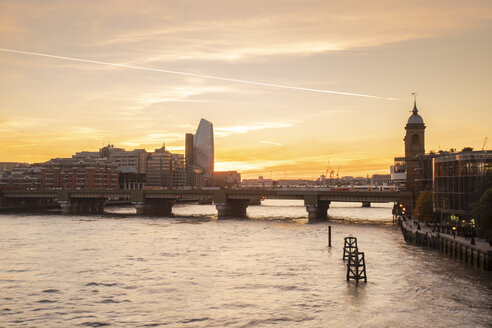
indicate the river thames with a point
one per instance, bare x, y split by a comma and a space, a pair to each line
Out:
192, 270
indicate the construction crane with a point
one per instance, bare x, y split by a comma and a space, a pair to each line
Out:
484, 143
327, 172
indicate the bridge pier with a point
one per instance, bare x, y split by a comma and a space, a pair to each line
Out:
23, 203
318, 212
155, 206
256, 201
82, 206
366, 204
232, 208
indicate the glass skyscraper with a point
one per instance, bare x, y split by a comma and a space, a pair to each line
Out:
203, 148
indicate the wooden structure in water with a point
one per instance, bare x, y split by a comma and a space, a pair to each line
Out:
356, 265
349, 246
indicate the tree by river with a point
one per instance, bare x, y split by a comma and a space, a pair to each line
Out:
482, 210
424, 210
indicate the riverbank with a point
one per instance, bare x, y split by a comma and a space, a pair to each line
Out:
460, 248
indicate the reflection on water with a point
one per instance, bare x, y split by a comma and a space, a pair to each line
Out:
194, 271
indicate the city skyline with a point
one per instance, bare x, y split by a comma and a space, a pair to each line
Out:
52, 107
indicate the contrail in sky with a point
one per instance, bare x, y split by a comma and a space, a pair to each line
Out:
193, 74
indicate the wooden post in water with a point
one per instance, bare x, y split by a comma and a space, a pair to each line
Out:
329, 236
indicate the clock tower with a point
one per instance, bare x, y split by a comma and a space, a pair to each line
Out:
414, 138
416, 162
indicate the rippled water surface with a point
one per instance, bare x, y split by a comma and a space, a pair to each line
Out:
193, 270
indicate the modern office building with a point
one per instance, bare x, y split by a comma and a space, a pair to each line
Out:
189, 149
398, 173
260, 182
87, 154
131, 181
226, 178
165, 170
178, 170
459, 180
158, 169
194, 174
203, 148
199, 155
128, 161
194, 177
381, 180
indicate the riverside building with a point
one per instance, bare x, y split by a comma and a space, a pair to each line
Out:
131, 164
456, 179
416, 166
165, 170
132, 161
459, 181
128, 161
203, 148
20, 176
381, 179
199, 155
194, 174
226, 178
78, 173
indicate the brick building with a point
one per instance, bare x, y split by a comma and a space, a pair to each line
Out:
77, 173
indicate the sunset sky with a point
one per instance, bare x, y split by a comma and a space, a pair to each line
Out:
52, 107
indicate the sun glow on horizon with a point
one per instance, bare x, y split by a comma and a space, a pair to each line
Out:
291, 91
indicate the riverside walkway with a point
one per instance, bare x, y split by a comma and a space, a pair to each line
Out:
460, 248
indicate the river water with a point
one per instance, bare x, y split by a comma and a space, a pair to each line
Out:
192, 270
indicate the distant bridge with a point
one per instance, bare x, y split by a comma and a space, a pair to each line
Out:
229, 202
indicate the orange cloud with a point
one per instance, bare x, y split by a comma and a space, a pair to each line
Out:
51, 108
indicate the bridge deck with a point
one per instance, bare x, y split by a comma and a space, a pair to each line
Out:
252, 194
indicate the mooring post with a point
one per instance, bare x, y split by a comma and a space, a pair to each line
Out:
329, 236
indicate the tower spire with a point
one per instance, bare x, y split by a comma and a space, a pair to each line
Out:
415, 110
